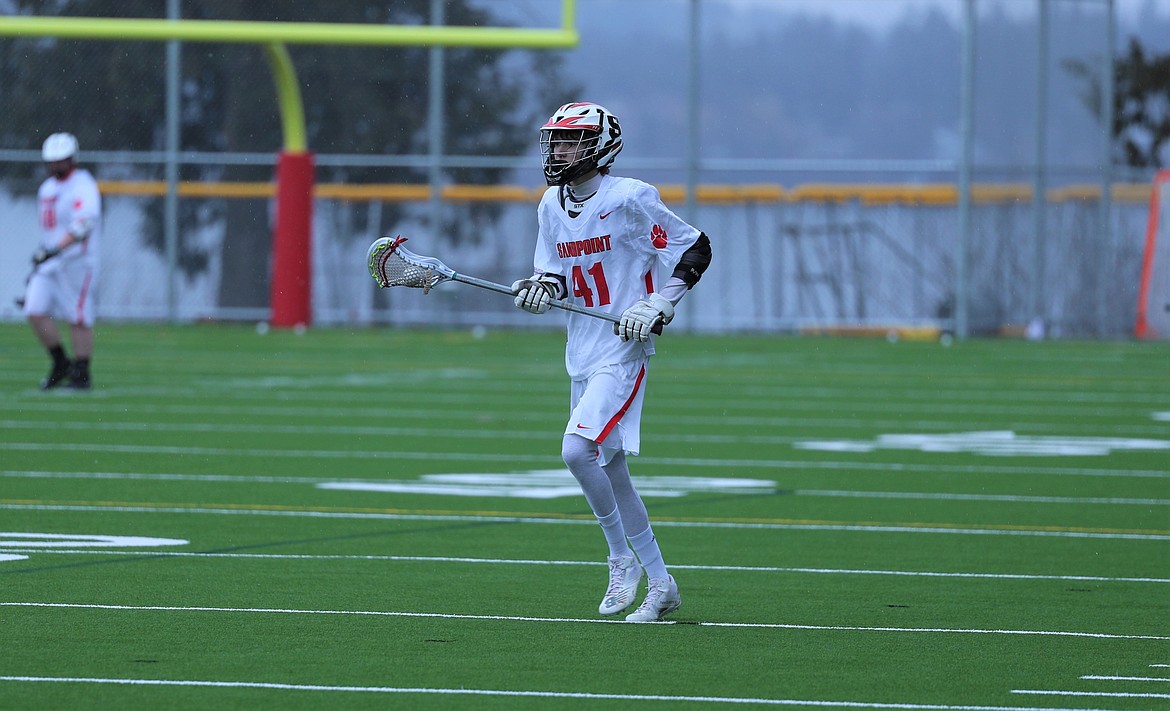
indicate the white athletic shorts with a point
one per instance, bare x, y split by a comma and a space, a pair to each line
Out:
607, 408
63, 291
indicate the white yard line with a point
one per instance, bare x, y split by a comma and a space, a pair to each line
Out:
484, 383
1006, 498
571, 620
524, 694
554, 460
1111, 694
942, 496
1092, 677
513, 561
740, 417
512, 433
1044, 532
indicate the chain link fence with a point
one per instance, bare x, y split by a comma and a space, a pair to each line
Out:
789, 256
859, 261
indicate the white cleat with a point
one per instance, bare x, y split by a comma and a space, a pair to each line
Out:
624, 575
661, 600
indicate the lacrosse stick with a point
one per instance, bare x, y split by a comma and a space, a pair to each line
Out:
391, 264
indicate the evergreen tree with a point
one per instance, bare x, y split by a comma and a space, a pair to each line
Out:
1141, 104
362, 100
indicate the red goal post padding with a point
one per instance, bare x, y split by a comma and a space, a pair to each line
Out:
1153, 311
291, 242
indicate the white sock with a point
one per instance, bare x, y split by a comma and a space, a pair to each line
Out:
649, 554
615, 534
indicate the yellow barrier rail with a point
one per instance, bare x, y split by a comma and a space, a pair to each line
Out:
934, 194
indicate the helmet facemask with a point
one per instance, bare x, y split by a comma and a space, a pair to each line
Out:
577, 139
568, 154
60, 169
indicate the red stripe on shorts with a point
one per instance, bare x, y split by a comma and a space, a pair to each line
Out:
625, 406
81, 299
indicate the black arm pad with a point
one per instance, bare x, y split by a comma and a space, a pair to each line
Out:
694, 261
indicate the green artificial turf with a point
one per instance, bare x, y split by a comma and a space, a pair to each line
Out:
853, 523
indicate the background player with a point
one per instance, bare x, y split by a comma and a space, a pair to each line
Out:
610, 244
65, 266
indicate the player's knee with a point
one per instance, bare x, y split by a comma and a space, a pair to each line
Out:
578, 451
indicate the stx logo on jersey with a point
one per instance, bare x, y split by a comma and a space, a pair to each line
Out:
593, 245
658, 237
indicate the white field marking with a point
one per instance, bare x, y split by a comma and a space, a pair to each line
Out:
1090, 677
349, 380
548, 484
574, 620
144, 476
371, 431
485, 388
883, 467
648, 483
508, 561
468, 433
1008, 498
377, 414
270, 453
1111, 694
1161, 666
482, 382
524, 694
489, 403
456, 433
1000, 443
1161, 416
4, 558
1045, 532
24, 541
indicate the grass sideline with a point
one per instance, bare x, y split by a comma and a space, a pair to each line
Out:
853, 524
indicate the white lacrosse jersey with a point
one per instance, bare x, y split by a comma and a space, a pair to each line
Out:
612, 250
68, 203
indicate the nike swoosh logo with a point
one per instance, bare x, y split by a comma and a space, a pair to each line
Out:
603, 216
583, 427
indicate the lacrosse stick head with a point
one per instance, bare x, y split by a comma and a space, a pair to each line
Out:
391, 264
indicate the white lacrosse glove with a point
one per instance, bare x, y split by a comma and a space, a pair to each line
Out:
641, 319
534, 296
80, 228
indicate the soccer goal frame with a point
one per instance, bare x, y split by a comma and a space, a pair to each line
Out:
1153, 308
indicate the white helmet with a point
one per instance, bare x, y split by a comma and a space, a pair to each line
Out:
591, 134
59, 146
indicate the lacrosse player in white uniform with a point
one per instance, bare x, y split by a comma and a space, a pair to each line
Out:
62, 283
609, 244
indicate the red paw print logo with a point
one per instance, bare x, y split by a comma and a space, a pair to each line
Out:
658, 237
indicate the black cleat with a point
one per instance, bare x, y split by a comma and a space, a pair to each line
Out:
78, 379
56, 375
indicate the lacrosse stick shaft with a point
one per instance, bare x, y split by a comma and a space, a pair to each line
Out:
566, 305
391, 264
49, 254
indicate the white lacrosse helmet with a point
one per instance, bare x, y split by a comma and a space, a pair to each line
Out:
59, 146
578, 138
